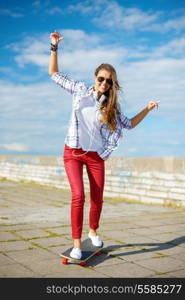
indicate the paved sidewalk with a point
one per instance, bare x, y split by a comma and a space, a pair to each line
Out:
140, 240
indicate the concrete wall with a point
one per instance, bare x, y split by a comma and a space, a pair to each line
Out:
148, 180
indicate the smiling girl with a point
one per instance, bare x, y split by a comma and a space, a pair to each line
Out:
94, 131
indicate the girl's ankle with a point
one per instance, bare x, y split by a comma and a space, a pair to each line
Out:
77, 243
93, 232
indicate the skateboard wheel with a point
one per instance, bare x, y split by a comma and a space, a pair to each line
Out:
83, 263
64, 261
98, 253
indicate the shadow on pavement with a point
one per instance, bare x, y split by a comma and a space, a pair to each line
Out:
155, 247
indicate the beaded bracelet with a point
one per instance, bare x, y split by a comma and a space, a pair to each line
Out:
54, 47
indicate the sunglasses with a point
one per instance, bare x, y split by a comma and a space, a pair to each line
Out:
101, 79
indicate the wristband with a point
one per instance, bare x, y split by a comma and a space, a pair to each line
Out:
54, 47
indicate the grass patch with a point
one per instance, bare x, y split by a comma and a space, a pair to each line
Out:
9, 241
159, 254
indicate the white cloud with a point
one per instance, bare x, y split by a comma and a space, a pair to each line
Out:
32, 101
35, 50
87, 6
175, 47
30, 112
161, 80
125, 18
118, 17
11, 13
15, 147
132, 149
156, 141
89, 50
36, 115
177, 24
80, 39
55, 10
153, 74
32, 50
36, 3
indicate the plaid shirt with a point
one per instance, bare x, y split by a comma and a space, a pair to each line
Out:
78, 90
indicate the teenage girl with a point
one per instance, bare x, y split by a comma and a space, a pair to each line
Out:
95, 128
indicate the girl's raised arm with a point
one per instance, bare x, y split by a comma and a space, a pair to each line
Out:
53, 62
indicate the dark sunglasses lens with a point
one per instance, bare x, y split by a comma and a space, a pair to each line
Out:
101, 79
109, 81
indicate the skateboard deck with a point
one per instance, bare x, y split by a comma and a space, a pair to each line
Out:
88, 251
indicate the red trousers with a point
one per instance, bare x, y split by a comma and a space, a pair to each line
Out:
96, 173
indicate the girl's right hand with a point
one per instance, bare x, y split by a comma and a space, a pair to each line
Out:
55, 38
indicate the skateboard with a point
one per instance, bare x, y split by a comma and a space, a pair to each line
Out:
88, 251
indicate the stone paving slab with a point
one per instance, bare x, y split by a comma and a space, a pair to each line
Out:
59, 249
162, 264
16, 227
60, 230
16, 245
5, 260
134, 254
8, 236
177, 274
50, 241
140, 240
156, 230
178, 220
16, 270
167, 237
54, 266
72, 271
33, 233
125, 270
135, 240
30, 255
171, 250
180, 255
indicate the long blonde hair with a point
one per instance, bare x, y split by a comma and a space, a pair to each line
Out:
109, 109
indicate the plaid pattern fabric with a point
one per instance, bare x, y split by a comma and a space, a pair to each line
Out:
79, 90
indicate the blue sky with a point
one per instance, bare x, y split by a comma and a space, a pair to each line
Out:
143, 40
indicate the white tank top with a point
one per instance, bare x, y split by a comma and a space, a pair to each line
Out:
90, 138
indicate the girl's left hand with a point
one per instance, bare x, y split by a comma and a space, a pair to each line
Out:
152, 105
55, 38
